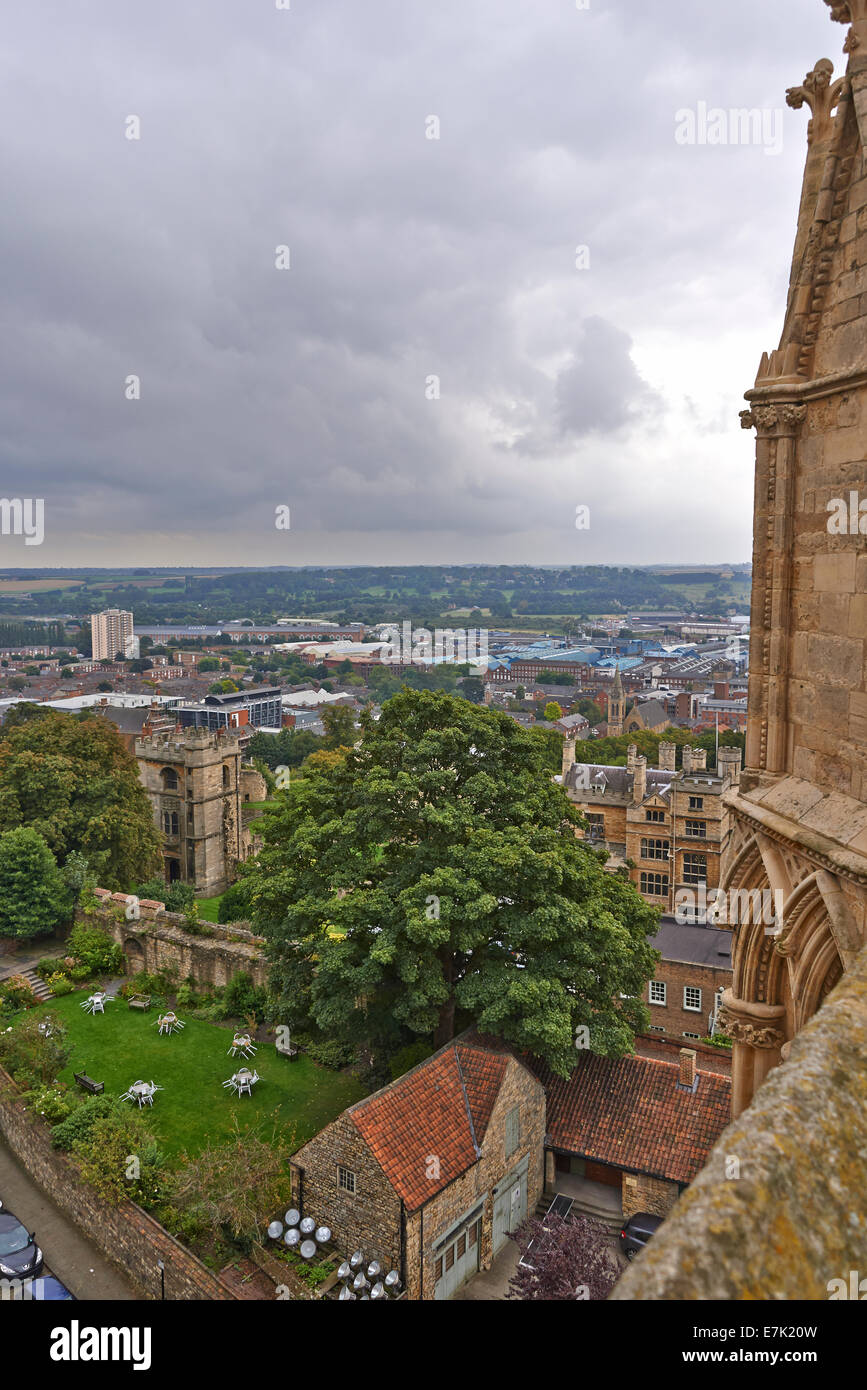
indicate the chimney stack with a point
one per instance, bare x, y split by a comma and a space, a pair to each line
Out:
568, 756
631, 757
699, 759
667, 757
688, 1074
639, 781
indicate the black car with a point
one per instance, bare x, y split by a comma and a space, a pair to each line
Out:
20, 1256
637, 1232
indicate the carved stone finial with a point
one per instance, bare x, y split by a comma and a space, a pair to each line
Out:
821, 96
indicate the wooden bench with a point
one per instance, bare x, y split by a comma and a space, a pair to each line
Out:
86, 1083
139, 1001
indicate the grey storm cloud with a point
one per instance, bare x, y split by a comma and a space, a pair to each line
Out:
601, 389
433, 374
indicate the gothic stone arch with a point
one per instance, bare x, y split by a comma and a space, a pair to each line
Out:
783, 969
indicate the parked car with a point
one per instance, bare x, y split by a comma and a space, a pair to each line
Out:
45, 1290
637, 1232
20, 1256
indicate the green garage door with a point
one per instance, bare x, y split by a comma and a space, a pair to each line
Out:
510, 1204
458, 1261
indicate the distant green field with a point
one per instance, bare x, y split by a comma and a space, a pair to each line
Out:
122, 1046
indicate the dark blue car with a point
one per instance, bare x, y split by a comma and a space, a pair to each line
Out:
20, 1256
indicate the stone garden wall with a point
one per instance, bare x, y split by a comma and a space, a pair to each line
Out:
126, 1234
158, 941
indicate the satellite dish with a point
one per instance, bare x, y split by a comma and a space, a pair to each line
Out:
378, 1291
345, 1270
308, 1249
275, 1230
308, 1226
292, 1217
392, 1280
356, 1259
292, 1236
323, 1234
374, 1269
345, 1295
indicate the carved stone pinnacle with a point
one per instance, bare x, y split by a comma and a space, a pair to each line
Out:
821, 96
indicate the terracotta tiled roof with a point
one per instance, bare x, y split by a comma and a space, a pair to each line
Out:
438, 1111
630, 1112
483, 1073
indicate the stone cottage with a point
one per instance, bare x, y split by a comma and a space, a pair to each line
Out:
431, 1173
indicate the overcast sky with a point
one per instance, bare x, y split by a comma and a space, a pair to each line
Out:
614, 386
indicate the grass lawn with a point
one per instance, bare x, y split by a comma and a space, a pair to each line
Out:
123, 1045
209, 908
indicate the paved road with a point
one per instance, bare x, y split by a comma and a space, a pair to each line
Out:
68, 1254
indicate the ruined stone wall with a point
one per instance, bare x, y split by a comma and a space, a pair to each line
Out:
158, 942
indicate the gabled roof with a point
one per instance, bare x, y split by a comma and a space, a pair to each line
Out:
438, 1111
650, 711
631, 1113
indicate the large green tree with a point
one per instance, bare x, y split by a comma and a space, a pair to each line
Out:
73, 781
431, 877
34, 900
340, 731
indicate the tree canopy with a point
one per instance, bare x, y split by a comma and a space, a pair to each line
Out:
72, 780
34, 899
431, 878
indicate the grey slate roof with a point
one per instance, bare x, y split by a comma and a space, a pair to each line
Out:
694, 945
617, 781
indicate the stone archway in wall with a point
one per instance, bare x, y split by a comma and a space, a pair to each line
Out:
134, 956
782, 970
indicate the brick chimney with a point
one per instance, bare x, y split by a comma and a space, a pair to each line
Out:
688, 1074
687, 758
631, 757
699, 759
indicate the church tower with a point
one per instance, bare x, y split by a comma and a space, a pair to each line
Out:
616, 707
800, 811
